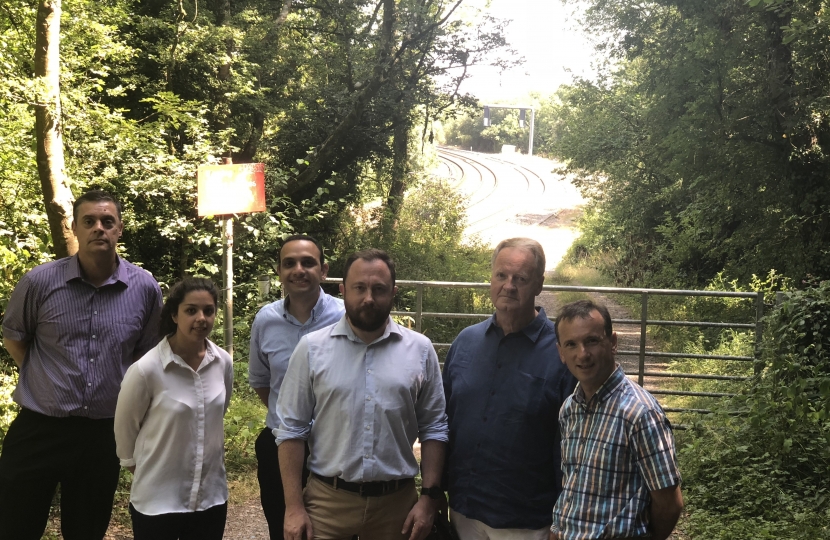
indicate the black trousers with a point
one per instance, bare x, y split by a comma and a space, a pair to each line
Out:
204, 525
40, 452
270, 482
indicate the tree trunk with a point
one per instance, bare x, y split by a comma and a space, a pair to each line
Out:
325, 152
50, 164
400, 160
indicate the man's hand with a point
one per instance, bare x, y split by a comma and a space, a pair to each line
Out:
420, 518
131, 469
17, 350
554, 536
296, 524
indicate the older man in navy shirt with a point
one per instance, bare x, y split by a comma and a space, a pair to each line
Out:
504, 385
73, 327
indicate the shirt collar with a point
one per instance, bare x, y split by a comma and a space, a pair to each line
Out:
316, 311
169, 357
73, 271
342, 328
532, 330
613, 383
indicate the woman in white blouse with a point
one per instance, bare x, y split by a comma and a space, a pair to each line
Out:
168, 423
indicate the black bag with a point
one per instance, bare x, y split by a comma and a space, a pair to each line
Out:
441, 529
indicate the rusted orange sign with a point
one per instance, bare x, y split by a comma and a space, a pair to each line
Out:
231, 189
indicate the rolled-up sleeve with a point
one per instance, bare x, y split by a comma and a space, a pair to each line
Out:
133, 402
259, 369
20, 319
431, 408
150, 332
295, 405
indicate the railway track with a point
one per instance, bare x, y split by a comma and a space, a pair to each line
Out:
499, 199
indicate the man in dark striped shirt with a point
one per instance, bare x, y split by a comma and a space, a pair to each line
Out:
618, 451
72, 326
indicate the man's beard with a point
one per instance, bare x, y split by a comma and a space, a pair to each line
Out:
368, 318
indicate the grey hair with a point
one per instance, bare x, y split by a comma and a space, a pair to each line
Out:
528, 244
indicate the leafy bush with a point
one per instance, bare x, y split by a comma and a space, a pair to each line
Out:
758, 468
427, 243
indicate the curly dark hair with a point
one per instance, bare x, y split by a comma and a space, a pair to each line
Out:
177, 293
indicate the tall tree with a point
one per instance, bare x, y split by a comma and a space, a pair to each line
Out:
50, 160
705, 148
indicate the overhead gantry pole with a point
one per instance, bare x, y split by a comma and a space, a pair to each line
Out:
521, 108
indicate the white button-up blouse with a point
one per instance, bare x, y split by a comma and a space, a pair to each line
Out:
168, 424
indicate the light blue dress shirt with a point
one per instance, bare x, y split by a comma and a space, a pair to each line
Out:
361, 406
274, 335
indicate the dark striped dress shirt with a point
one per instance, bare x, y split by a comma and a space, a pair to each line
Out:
81, 338
615, 449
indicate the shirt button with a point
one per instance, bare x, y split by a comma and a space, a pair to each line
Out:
91, 359
368, 398
366, 456
367, 428
85, 407
368, 371
89, 384
95, 312
93, 336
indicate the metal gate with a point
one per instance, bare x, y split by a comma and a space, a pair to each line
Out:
754, 325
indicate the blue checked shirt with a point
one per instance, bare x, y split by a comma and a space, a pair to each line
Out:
616, 448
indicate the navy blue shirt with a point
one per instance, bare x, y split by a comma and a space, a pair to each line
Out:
503, 399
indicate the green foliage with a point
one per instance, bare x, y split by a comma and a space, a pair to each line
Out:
703, 148
758, 468
243, 423
427, 244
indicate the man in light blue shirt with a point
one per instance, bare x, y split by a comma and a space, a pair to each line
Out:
276, 330
360, 392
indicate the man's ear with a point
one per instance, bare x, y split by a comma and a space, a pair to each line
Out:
325, 270
342, 290
539, 285
614, 341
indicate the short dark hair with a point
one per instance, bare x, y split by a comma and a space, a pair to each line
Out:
370, 255
95, 195
582, 309
176, 297
307, 238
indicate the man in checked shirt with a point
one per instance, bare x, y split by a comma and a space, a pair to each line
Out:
618, 455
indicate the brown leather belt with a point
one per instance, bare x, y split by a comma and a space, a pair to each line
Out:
365, 489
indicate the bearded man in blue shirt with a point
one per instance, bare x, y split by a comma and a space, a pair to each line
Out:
504, 385
360, 392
